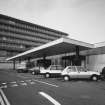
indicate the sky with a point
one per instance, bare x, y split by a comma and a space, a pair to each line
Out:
83, 20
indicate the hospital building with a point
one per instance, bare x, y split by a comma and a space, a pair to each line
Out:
18, 36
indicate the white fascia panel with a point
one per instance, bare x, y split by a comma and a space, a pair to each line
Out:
58, 41
78, 43
37, 48
100, 44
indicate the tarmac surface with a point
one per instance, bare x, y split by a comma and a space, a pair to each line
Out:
27, 89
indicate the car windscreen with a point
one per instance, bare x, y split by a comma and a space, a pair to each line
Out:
71, 69
79, 68
60, 68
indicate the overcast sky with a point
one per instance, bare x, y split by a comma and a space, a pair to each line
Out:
83, 20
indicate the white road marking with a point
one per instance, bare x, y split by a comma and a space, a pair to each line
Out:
5, 86
1, 101
21, 81
4, 97
49, 98
28, 80
13, 82
32, 83
3, 83
14, 85
46, 83
23, 84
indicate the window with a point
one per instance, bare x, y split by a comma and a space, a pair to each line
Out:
60, 68
81, 69
73, 69
53, 68
4, 38
11, 22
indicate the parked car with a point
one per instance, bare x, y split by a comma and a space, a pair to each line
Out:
53, 70
78, 72
21, 67
35, 70
103, 74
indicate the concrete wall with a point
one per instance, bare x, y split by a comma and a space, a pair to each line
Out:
95, 62
5, 65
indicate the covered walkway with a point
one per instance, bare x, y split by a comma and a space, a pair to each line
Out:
60, 46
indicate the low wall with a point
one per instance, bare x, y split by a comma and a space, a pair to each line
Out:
6, 65
96, 62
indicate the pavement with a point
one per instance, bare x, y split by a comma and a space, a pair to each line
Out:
27, 89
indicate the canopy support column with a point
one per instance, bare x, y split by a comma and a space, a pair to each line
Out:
77, 61
14, 65
77, 51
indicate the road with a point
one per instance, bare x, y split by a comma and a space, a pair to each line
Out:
27, 89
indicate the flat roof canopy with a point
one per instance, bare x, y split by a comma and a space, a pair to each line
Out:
59, 46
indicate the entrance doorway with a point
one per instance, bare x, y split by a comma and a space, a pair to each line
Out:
74, 60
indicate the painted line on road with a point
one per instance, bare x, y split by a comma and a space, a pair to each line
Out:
49, 98
1, 101
14, 85
13, 82
46, 83
4, 83
29, 80
4, 98
22, 81
32, 83
23, 84
5, 86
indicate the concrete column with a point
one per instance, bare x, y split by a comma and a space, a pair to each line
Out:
44, 61
77, 51
14, 65
19, 60
77, 58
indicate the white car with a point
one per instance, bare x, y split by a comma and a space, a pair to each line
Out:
35, 70
21, 67
73, 72
53, 70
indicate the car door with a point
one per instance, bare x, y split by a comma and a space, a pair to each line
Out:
73, 72
83, 73
55, 69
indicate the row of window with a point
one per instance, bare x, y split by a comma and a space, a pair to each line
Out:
27, 32
12, 45
11, 48
26, 41
33, 27
10, 42
14, 40
16, 30
11, 53
15, 35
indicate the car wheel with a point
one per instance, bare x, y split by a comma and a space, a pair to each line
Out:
94, 77
66, 78
47, 75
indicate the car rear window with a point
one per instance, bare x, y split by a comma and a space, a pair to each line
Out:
56, 68
60, 68
72, 68
53, 68
79, 68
